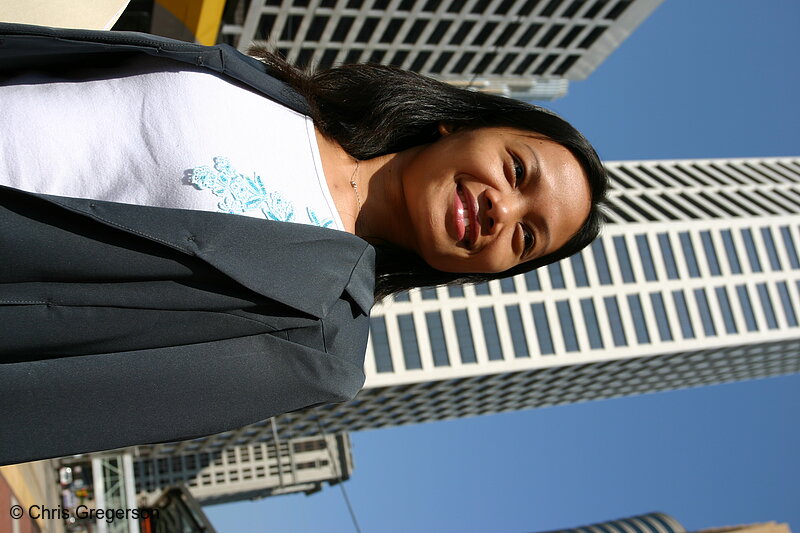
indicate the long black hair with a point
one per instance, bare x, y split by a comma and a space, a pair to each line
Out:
372, 110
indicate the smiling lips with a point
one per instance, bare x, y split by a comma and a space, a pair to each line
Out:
465, 214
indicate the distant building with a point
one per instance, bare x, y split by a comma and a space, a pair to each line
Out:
695, 281
250, 471
526, 49
766, 527
663, 523
647, 523
102, 480
175, 510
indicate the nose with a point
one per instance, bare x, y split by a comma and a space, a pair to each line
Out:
498, 210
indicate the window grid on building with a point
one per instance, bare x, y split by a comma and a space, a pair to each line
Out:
515, 47
647, 316
700, 190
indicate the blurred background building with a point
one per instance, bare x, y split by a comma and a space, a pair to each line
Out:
249, 471
27, 485
664, 523
179, 484
646, 523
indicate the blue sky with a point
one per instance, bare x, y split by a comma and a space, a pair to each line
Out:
699, 78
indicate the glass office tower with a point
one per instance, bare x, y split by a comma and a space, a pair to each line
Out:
527, 49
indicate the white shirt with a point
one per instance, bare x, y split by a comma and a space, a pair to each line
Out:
159, 133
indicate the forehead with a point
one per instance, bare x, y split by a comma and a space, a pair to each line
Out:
521, 135
531, 139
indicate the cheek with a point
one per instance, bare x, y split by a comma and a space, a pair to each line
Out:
499, 256
497, 261
472, 265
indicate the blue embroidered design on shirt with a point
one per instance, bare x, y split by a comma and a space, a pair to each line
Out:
312, 216
240, 192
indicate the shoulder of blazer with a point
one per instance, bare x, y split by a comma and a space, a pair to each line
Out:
23, 45
305, 267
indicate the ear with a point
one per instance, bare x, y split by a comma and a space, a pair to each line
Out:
446, 129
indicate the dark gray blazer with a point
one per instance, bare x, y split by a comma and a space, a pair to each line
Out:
124, 325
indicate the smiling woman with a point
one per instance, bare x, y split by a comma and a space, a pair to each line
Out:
169, 213
476, 186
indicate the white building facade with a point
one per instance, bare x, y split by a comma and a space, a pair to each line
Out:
248, 471
527, 49
695, 280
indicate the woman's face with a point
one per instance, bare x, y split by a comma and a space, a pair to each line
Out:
488, 199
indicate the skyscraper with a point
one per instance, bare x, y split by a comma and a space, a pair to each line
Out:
695, 280
527, 49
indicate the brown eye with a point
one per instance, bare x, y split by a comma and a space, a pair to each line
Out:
527, 236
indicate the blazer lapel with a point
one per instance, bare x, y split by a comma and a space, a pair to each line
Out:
302, 266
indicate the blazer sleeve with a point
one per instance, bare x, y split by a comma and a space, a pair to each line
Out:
104, 401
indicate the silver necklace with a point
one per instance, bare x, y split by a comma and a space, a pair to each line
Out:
354, 185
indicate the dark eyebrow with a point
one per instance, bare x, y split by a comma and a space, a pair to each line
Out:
535, 175
538, 169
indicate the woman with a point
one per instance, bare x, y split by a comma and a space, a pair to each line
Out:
131, 312
373, 111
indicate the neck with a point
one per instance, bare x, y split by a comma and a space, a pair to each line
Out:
383, 217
